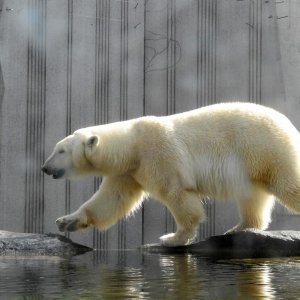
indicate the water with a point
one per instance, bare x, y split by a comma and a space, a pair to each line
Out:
133, 275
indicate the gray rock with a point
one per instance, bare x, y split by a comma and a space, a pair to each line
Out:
12, 243
250, 243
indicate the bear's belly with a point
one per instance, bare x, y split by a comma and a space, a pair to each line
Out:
222, 177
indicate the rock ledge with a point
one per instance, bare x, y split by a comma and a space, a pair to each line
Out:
250, 243
12, 243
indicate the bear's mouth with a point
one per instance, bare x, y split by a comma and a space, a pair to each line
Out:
58, 174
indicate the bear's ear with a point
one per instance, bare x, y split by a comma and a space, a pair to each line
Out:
92, 142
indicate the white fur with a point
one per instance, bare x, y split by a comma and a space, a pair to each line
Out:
244, 152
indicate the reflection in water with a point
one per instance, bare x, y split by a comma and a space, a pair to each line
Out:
133, 275
256, 282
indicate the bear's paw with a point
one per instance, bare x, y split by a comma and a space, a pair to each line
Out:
70, 223
175, 240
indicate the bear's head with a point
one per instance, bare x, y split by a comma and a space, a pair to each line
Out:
71, 156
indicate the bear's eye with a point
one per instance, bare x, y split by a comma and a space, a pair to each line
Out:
61, 151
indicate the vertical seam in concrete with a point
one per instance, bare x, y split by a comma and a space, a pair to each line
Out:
171, 82
123, 94
102, 32
69, 97
206, 78
2, 88
35, 116
206, 52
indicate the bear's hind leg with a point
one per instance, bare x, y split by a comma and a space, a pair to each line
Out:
290, 198
255, 210
187, 209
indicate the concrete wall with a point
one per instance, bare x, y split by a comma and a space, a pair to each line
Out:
70, 64
288, 34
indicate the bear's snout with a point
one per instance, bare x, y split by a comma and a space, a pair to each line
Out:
56, 174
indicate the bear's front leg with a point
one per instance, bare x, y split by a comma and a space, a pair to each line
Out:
188, 212
116, 197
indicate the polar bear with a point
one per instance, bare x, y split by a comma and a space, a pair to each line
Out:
243, 152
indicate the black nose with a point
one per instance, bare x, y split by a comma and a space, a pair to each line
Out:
45, 169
